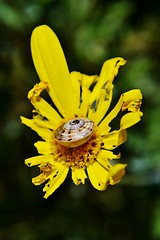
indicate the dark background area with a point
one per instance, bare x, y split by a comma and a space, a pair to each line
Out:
90, 32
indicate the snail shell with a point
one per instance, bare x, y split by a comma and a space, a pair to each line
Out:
74, 132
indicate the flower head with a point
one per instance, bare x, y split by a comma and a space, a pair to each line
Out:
75, 132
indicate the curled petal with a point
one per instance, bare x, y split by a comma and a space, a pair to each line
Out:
34, 93
130, 100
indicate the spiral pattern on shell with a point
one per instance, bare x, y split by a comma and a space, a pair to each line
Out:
75, 132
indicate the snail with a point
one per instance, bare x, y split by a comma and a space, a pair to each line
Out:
75, 132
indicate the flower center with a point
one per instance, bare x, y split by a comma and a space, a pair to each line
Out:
81, 156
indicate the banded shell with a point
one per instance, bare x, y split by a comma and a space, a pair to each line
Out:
74, 132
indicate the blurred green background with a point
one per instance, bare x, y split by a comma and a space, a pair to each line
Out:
90, 32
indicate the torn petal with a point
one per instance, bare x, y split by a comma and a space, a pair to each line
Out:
34, 93
105, 156
114, 139
55, 181
108, 72
132, 100
47, 171
37, 160
78, 175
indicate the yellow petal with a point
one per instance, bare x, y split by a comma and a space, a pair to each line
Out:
37, 160
99, 108
108, 72
85, 101
43, 122
106, 155
116, 173
114, 139
103, 126
45, 110
96, 102
43, 147
51, 66
78, 176
76, 78
56, 181
44, 133
41, 178
87, 81
34, 93
81, 84
101, 95
48, 170
104, 162
98, 176
130, 100
129, 119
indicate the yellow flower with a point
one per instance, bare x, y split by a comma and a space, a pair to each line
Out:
78, 99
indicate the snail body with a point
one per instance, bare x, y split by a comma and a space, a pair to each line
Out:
75, 132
